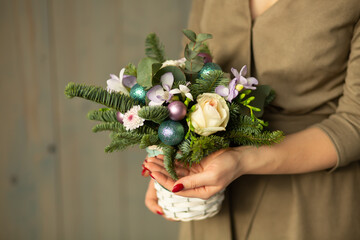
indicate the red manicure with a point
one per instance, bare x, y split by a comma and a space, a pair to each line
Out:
178, 187
160, 213
151, 176
143, 171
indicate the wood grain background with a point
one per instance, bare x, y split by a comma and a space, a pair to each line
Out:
56, 182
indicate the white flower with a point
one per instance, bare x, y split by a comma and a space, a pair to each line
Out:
178, 63
115, 83
184, 90
211, 114
160, 94
132, 120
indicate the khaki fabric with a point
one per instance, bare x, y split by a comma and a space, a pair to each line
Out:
309, 52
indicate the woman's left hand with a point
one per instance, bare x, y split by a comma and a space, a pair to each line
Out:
214, 173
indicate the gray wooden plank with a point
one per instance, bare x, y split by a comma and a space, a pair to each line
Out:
86, 47
28, 185
166, 19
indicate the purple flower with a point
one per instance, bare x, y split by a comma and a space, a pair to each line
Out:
160, 94
237, 84
245, 82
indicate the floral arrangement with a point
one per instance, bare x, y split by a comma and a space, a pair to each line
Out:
189, 107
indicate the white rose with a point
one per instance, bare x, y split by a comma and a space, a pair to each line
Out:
211, 114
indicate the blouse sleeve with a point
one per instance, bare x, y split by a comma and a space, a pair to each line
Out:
343, 127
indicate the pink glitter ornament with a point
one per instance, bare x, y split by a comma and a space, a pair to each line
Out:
177, 110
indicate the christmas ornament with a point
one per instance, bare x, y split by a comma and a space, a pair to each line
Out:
207, 69
120, 117
137, 92
177, 110
207, 57
171, 132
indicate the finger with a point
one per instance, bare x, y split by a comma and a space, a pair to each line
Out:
204, 192
152, 167
164, 180
196, 181
151, 200
155, 160
145, 172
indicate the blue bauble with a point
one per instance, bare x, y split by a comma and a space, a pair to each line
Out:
207, 69
137, 92
171, 132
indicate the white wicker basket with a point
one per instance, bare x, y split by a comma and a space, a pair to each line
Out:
184, 208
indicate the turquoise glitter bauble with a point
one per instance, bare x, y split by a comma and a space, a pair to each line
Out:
207, 69
137, 92
171, 132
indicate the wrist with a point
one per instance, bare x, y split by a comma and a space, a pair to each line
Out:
257, 160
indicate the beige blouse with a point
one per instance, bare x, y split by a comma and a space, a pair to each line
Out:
309, 52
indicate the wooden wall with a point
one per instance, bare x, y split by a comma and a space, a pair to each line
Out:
56, 182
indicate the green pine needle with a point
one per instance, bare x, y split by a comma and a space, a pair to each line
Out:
118, 101
103, 114
109, 126
156, 114
208, 83
154, 48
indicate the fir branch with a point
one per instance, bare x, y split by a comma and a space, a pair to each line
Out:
263, 138
119, 128
130, 69
122, 140
204, 146
149, 140
109, 126
154, 48
118, 101
208, 83
169, 158
103, 114
156, 114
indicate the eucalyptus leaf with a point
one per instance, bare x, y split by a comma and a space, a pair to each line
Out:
203, 37
190, 34
179, 76
144, 73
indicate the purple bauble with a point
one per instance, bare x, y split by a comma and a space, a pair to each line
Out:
207, 57
120, 117
177, 110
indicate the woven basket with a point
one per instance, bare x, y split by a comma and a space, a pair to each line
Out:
184, 208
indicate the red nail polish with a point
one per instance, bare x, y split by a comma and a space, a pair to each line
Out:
178, 187
151, 176
143, 171
145, 161
160, 213
145, 167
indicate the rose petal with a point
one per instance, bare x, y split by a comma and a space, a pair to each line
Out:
197, 118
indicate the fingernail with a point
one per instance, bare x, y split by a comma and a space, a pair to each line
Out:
151, 176
178, 187
145, 160
160, 213
143, 171
143, 166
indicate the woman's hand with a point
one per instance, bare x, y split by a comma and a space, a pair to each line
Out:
211, 175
